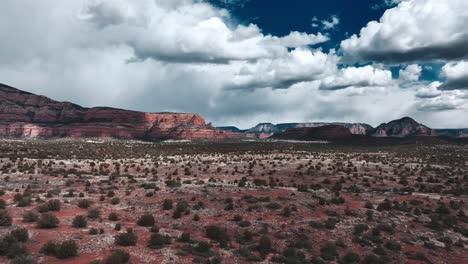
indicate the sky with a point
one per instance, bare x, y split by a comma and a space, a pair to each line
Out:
243, 62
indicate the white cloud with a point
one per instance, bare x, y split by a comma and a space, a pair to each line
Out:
367, 76
411, 73
300, 65
429, 91
413, 31
446, 101
296, 39
456, 74
193, 32
332, 23
326, 24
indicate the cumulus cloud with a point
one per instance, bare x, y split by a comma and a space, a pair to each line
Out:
413, 31
456, 74
431, 91
367, 76
300, 65
451, 100
411, 73
193, 32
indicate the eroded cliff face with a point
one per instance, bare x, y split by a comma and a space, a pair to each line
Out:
25, 114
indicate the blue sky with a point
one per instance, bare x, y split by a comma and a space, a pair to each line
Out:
242, 62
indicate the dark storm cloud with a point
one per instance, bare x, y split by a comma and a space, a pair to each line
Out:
454, 50
455, 84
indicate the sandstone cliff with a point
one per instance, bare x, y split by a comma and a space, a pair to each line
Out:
24, 114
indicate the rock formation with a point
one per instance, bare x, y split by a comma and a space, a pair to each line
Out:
24, 114
403, 127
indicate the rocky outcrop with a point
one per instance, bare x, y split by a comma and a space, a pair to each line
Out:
403, 127
315, 133
24, 114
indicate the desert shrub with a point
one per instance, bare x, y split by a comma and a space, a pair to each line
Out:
49, 248
393, 245
328, 251
84, 203
20, 234
113, 217
118, 256
13, 244
351, 258
203, 247
43, 208
5, 218
386, 205
146, 220
126, 239
94, 213
372, 259
115, 201
360, 228
167, 204
79, 221
30, 217
67, 249
2, 204
218, 234
196, 217
54, 205
185, 237
158, 241
25, 201
117, 227
264, 245
23, 259
48, 220
93, 231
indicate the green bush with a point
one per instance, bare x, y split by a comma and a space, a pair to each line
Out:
48, 220
54, 205
20, 234
5, 218
94, 213
93, 231
118, 256
30, 217
115, 201
113, 217
126, 239
351, 258
158, 241
264, 246
218, 234
67, 249
328, 251
167, 204
84, 203
146, 220
79, 221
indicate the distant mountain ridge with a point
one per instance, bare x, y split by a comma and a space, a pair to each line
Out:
264, 130
403, 127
